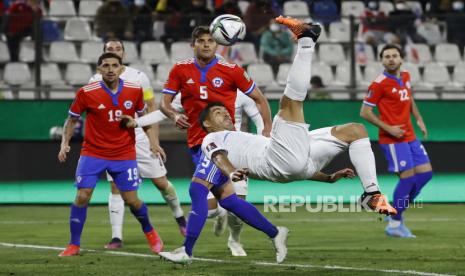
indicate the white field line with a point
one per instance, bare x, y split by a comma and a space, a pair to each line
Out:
325, 267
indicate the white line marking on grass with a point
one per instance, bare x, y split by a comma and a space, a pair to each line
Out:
327, 267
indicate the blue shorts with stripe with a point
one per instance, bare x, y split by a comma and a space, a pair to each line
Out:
124, 172
404, 156
208, 171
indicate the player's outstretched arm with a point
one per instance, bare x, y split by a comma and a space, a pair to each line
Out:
68, 130
221, 160
331, 178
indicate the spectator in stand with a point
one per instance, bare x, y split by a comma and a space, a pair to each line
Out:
113, 20
403, 22
277, 46
325, 11
229, 7
19, 23
455, 20
257, 18
374, 27
142, 21
318, 89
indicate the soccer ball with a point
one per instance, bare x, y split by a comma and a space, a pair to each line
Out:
227, 29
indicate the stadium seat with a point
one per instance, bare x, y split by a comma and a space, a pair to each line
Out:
412, 68
63, 52
372, 71
281, 77
354, 8
246, 53
261, 73
386, 6
459, 74
181, 50
332, 54
62, 8
431, 32
16, 73
77, 29
78, 74
27, 51
91, 51
89, 7
50, 31
323, 70
153, 52
364, 53
418, 53
130, 52
456, 88
50, 74
339, 32
436, 75
243, 5
144, 67
4, 52
298, 9
163, 70
158, 29
342, 76
447, 53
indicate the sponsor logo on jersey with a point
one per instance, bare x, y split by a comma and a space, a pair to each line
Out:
246, 76
101, 106
128, 104
217, 82
190, 81
211, 146
202, 171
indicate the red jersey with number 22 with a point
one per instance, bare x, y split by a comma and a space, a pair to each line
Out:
218, 81
393, 97
103, 137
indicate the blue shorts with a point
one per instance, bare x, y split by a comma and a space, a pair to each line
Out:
404, 156
208, 171
124, 172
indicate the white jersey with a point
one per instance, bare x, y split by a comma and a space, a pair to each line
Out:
137, 77
246, 104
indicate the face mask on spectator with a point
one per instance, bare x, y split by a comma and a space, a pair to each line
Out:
457, 6
401, 6
274, 28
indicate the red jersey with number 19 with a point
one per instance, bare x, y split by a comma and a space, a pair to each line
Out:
393, 97
103, 137
216, 82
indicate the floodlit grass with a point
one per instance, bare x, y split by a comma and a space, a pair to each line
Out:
318, 242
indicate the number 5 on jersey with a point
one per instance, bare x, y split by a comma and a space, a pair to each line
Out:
203, 92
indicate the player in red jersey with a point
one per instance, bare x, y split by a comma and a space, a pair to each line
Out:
106, 147
391, 93
201, 80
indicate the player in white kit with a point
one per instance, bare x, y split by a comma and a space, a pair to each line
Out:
150, 156
222, 217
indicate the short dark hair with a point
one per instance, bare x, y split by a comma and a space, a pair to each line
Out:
199, 31
113, 40
206, 111
391, 46
109, 55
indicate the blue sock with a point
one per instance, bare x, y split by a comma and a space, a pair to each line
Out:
422, 179
402, 195
77, 218
197, 216
142, 215
249, 214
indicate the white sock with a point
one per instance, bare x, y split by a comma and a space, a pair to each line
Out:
394, 223
171, 198
363, 160
235, 227
298, 78
116, 211
213, 213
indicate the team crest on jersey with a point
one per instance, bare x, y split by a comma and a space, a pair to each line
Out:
211, 146
217, 82
128, 104
408, 85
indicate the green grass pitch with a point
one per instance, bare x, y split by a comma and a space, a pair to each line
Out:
319, 244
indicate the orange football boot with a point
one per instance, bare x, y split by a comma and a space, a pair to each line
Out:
379, 203
70, 250
155, 242
300, 28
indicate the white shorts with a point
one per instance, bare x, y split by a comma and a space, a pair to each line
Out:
149, 165
288, 152
240, 187
324, 147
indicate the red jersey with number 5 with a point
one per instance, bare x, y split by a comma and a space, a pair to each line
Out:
393, 97
103, 137
199, 86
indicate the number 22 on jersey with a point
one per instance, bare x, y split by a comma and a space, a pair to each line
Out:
403, 94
